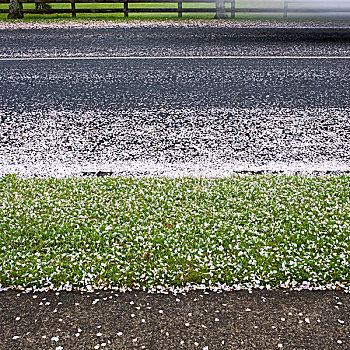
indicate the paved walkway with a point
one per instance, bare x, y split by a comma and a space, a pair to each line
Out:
198, 320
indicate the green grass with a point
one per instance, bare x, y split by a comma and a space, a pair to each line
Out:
141, 232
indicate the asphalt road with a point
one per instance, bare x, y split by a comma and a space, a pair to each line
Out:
174, 116
153, 40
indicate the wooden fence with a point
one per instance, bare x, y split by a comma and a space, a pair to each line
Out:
232, 9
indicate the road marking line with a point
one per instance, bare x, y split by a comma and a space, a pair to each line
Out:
168, 58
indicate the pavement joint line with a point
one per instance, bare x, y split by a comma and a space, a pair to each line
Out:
168, 58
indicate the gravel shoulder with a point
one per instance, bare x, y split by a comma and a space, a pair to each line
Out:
198, 320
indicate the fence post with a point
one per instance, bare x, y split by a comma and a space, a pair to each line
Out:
74, 13
126, 8
285, 10
179, 9
220, 10
233, 8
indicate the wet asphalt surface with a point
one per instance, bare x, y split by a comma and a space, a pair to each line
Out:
204, 116
162, 41
174, 116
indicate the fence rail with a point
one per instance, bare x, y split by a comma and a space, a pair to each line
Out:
232, 9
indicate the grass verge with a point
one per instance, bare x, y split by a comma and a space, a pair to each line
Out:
256, 230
